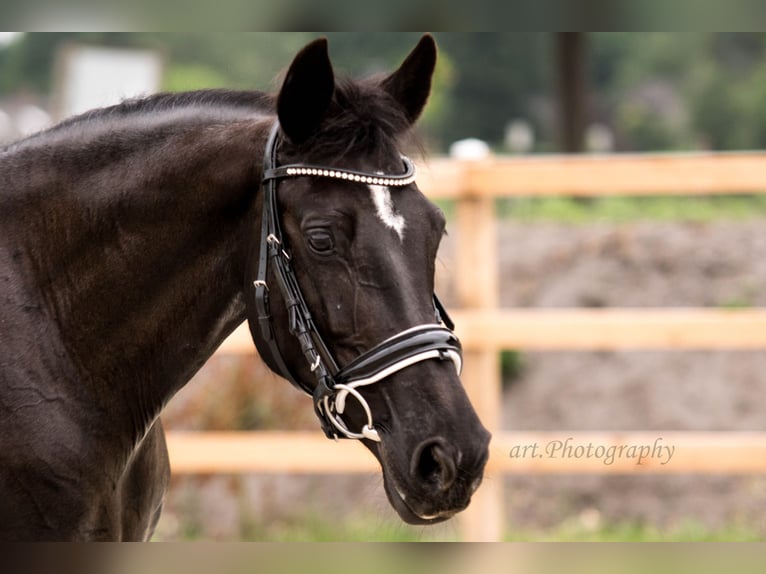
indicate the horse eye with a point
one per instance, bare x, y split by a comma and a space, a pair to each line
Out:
320, 241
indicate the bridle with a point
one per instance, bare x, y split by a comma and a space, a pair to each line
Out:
333, 383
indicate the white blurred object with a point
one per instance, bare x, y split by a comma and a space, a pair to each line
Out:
591, 519
93, 77
31, 119
7, 38
519, 136
7, 131
599, 138
469, 149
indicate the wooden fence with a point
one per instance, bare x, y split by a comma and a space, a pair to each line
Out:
485, 330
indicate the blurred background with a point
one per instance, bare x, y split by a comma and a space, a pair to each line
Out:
519, 94
620, 91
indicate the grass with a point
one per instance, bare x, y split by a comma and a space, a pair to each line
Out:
314, 528
626, 209
637, 532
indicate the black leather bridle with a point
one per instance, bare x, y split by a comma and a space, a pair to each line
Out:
333, 383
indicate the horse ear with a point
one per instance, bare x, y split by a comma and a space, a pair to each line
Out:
410, 85
306, 92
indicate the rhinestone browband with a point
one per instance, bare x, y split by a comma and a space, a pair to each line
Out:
301, 170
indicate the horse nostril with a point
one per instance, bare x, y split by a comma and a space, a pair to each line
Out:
434, 464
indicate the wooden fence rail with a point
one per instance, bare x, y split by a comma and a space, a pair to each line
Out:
484, 330
595, 176
594, 330
559, 452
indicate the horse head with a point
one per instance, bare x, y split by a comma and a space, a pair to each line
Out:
341, 282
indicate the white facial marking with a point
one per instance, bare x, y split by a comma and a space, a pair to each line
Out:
381, 197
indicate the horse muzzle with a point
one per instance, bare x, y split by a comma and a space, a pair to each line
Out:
439, 482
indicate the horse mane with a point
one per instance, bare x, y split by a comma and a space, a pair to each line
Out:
215, 98
220, 101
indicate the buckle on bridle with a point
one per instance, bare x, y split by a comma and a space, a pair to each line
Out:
323, 391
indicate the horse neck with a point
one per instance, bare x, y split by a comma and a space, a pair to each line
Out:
140, 252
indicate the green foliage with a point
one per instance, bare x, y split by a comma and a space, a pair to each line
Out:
626, 209
670, 91
181, 78
656, 91
511, 366
746, 299
311, 527
497, 77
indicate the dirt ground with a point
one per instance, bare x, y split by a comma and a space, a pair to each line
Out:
557, 265
637, 265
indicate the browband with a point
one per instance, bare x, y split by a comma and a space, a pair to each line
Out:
301, 170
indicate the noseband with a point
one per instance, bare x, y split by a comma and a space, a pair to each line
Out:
334, 384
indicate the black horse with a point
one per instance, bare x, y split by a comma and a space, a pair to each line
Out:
135, 238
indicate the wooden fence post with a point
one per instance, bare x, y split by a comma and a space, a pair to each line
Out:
477, 288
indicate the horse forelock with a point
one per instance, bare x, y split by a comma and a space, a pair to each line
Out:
362, 120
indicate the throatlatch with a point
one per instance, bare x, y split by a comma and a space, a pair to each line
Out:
334, 384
